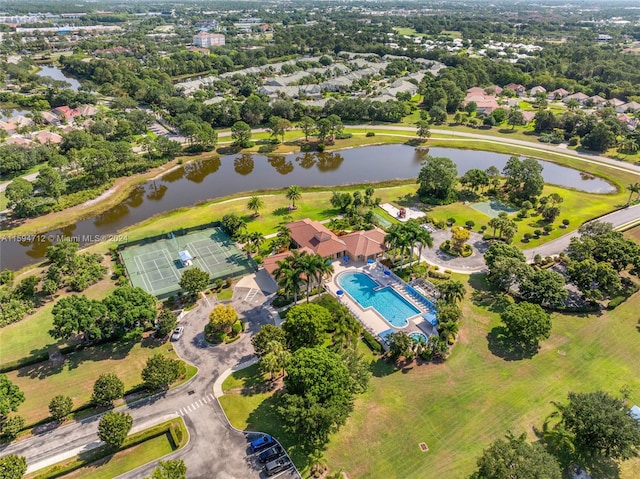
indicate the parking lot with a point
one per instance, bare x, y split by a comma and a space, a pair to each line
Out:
255, 463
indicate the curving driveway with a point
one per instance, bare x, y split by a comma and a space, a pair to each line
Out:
215, 449
475, 263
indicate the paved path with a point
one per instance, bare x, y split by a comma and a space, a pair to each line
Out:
475, 263
215, 449
29, 177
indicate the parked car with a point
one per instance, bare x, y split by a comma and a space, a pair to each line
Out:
177, 333
262, 442
279, 465
270, 454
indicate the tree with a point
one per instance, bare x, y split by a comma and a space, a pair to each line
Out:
452, 291
241, 134
526, 323
437, 180
595, 281
221, 319
318, 395
601, 424
267, 334
131, 310
60, 406
293, 194
502, 250
233, 225
422, 129
63, 254
572, 104
165, 323
288, 275
323, 129
13, 466
114, 427
474, 179
523, 178
10, 398
172, 469
194, 280
107, 388
78, 315
305, 325
18, 191
459, 236
600, 138
515, 458
276, 357
308, 126
255, 204
544, 287
515, 117
400, 345
633, 188
49, 182
160, 372
279, 126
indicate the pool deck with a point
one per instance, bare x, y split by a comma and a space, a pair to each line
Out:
369, 317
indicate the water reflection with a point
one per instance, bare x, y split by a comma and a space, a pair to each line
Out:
197, 171
156, 192
281, 164
244, 164
307, 160
329, 161
174, 175
136, 197
111, 215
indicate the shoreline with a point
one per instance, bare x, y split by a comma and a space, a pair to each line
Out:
122, 187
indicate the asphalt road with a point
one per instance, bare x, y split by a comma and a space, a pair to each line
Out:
215, 449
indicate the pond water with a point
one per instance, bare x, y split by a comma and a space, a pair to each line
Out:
6, 113
57, 74
214, 178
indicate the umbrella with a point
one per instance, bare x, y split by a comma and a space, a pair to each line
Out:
346, 259
370, 261
387, 272
339, 292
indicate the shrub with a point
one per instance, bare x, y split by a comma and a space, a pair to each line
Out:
343, 136
370, 133
565, 222
236, 328
451, 221
573, 141
483, 228
321, 147
526, 237
548, 229
537, 232
470, 224
372, 342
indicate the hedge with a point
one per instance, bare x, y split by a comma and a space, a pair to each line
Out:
372, 342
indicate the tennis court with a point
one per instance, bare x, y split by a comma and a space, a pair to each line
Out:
493, 208
155, 266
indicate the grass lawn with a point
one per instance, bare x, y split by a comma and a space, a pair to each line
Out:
459, 407
225, 294
3, 201
75, 376
124, 461
31, 335
408, 31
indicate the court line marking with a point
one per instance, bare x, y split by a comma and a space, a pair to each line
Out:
142, 273
168, 258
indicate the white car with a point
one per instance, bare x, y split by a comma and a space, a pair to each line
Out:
177, 333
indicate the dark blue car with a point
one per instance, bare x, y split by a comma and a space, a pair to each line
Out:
262, 442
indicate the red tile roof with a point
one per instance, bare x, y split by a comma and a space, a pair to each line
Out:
364, 243
315, 236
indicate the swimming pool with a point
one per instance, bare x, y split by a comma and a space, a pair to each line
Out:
386, 301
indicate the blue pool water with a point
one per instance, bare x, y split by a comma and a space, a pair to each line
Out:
386, 301
419, 337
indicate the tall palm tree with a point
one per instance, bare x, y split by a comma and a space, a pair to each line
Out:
255, 240
392, 239
557, 436
634, 188
255, 204
452, 291
423, 238
293, 194
276, 357
287, 276
308, 266
448, 330
324, 269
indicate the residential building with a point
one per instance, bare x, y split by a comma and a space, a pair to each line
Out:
206, 40
558, 94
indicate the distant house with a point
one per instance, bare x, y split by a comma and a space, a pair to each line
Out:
596, 100
537, 89
558, 94
476, 90
632, 106
615, 102
50, 118
581, 97
47, 138
604, 38
206, 40
528, 116
86, 110
20, 121
516, 87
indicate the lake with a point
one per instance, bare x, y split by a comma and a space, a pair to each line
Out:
57, 74
218, 177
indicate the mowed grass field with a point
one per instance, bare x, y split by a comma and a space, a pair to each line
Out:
457, 408
75, 375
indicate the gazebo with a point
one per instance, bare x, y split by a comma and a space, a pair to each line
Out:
185, 258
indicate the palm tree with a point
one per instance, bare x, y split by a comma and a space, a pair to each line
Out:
276, 357
448, 330
255, 204
573, 104
422, 238
293, 194
323, 269
452, 291
392, 239
287, 276
308, 266
557, 436
634, 188
254, 240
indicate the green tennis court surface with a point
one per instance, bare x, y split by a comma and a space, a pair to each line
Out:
493, 208
155, 266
